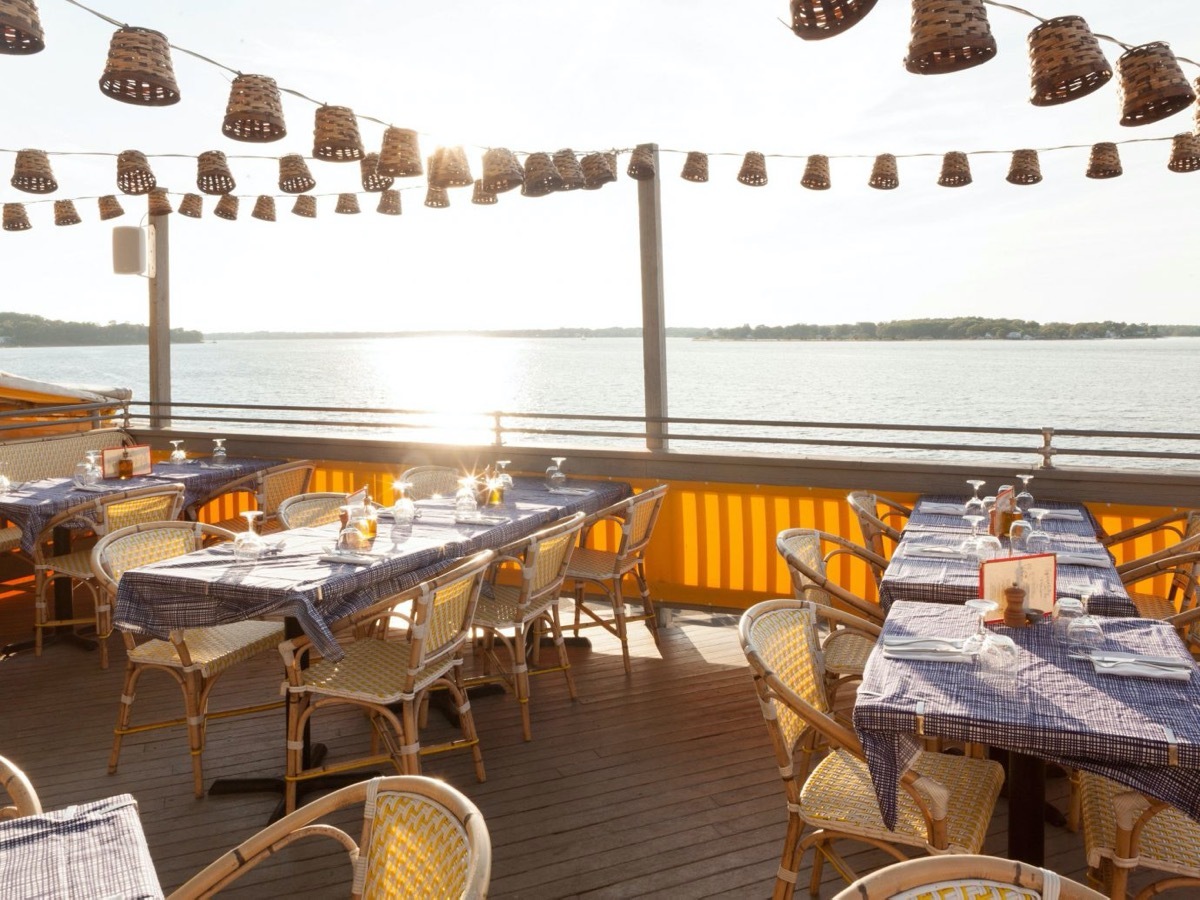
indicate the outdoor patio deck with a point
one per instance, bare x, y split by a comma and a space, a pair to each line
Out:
661, 784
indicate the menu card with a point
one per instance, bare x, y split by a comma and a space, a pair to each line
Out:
1035, 574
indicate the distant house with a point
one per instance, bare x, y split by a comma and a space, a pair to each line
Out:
1014, 336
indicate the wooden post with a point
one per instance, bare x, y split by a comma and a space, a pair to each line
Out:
160, 323
654, 329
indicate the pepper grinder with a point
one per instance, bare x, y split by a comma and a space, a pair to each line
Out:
1014, 607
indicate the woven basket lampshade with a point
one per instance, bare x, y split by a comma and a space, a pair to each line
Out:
1151, 84
641, 163
15, 217
481, 196
335, 135
1185, 153
956, 170
1104, 161
212, 173
294, 176
437, 197
1024, 168
372, 181
1065, 61
389, 203
400, 155
449, 168
305, 207
134, 175
32, 173
110, 208
599, 169
20, 27
948, 36
254, 112
192, 206
814, 20
65, 213
264, 208
569, 170
227, 208
754, 169
159, 203
541, 177
695, 167
347, 205
139, 68
884, 174
816, 173
501, 171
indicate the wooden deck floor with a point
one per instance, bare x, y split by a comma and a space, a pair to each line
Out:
659, 784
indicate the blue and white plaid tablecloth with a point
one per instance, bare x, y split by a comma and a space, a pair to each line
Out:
210, 587
1060, 709
93, 849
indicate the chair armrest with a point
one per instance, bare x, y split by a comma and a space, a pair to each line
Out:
847, 620
1164, 523
933, 799
1158, 564
855, 551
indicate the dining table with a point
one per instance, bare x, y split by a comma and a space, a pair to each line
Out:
1128, 710
94, 849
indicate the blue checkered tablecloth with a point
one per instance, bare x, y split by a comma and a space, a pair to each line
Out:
93, 849
1060, 709
210, 587
915, 573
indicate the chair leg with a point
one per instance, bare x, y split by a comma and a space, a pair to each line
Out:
39, 609
521, 678
647, 604
410, 749
618, 605
124, 714
789, 865
563, 659
579, 591
195, 728
294, 752
466, 720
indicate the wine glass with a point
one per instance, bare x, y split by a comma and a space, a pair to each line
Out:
502, 476
249, 545
5, 481
1039, 539
178, 454
1024, 500
971, 542
404, 511
95, 473
981, 608
465, 504
974, 506
218, 454
555, 477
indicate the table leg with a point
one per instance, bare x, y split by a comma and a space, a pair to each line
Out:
1026, 803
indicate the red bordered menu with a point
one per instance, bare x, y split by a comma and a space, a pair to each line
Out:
139, 453
1035, 574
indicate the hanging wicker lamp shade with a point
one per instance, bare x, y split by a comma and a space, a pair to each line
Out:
305, 206
65, 213
541, 177
139, 68
134, 175
695, 167
32, 173
1185, 153
599, 169
110, 208
347, 205
192, 206
1024, 168
1065, 61
1104, 161
569, 170
400, 155
389, 203
227, 208
884, 174
501, 171
1151, 84
15, 217
437, 197
754, 169
815, 20
372, 181
449, 168
816, 173
481, 196
212, 173
20, 27
294, 176
254, 112
264, 208
641, 163
335, 135
956, 170
948, 36
159, 203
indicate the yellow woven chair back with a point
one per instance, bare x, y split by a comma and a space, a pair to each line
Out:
640, 519
155, 505
431, 481
781, 639
417, 848
547, 555
280, 482
801, 550
140, 548
865, 507
442, 615
308, 510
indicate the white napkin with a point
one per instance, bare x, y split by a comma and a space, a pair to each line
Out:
1069, 515
943, 509
1141, 665
930, 648
578, 492
350, 559
1077, 559
98, 488
933, 553
481, 520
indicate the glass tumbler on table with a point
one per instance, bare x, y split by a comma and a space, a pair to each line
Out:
465, 504
248, 546
5, 481
218, 454
555, 476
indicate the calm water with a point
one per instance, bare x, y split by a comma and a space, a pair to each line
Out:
1108, 385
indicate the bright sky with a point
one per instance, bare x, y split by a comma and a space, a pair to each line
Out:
712, 75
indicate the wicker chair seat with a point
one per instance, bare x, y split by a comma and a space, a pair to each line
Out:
501, 609
1169, 842
594, 564
846, 652
838, 796
372, 671
213, 649
1151, 606
10, 537
77, 564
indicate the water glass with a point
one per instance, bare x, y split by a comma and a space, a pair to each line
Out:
82, 473
465, 504
248, 546
218, 454
351, 541
555, 476
999, 660
1018, 537
988, 546
5, 481
404, 511
178, 454
1066, 611
1084, 634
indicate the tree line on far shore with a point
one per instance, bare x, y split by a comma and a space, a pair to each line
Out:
962, 328
20, 330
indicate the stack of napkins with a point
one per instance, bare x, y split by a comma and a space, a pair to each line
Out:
943, 509
1141, 665
926, 647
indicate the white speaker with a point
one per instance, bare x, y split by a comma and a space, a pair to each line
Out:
129, 250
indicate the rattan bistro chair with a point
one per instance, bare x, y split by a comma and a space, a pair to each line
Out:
19, 789
944, 802
966, 877
306, 510
1180, 523
270, 487
512, 613
875, 527
421, 838
636, 517
194, 657
385, 667
105, 514
425, 482
1181, 595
